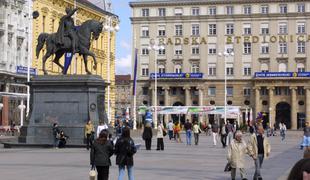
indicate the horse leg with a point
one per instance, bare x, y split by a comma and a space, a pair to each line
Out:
85, 63
45, 57
56, 61
87, 52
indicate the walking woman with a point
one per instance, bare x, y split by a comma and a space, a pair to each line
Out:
125, 149
89, 132
197, 131
100, 154
147, 136
160, 137
177, 129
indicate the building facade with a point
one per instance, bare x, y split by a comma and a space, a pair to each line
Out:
50, 13
14, 33
124, 97
260, 45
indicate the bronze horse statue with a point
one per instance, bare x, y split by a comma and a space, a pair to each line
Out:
84, 34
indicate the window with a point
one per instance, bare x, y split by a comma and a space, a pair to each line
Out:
247, 48
161, 31
264, 28
178, 68
161, 68
264, 67
286, 90
247, 9
283, 28
300, 90
301, 8
178, 50
195, 50
247, 91
145, 12
212, 69
195, 68
263, 91
282, 67
229, 10
161, 51
247, 70
212, 29
178, 11
278, 91
283, 48
264, 48
264, 9
144, 70
195, 29
229, 29
283, 8
229, 69
145, 90
230, 91
212, 91
229, 48
301, 47
247, 29
301, 28
178, 30
161, 11
145, 31
212, 49
195, 11
145, 51
212, 10
300, 67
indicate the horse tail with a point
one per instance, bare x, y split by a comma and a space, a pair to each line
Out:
41, 40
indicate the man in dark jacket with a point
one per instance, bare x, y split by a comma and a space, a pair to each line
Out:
56, 135
125, 149
147, 136
188, 129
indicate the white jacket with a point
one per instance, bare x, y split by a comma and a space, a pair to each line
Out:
236, 153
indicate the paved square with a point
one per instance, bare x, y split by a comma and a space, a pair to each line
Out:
177, 162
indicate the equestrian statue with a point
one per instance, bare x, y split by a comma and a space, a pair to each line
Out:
69, 39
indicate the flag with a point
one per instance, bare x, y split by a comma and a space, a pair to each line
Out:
68, 59
135, 73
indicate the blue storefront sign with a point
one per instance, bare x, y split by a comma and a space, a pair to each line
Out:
281, 74
24, 70
177, 75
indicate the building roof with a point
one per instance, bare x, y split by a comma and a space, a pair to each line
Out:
122, 79
96, 8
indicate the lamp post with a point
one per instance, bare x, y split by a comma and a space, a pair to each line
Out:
226, 55
155, 48
21, 107
109, 28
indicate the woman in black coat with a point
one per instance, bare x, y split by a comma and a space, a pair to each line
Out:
125, 149
147, 136
100, 154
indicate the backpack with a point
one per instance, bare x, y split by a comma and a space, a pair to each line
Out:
130, 148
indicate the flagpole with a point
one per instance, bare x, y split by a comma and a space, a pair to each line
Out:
135, 81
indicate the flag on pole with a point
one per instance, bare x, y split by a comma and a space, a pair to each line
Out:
68, 59
135, 73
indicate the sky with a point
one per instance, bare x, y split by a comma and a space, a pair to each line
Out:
124, 35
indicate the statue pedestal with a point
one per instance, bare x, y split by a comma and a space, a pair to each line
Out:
69, 100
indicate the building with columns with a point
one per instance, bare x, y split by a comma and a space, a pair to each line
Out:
260, 45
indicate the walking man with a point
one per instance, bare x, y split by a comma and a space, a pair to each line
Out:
170, 129
259, 149
306, 137
223, 135
230, 133
188, 130
282, 130
215, 131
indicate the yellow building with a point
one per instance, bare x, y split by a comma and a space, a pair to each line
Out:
50, 13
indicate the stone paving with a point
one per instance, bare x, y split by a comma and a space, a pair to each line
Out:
177, 162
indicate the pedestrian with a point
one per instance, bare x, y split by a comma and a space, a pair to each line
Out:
223, 135
215, 131
160, 137
100, 154
230, 133
125, 149
301, 170
89, 132
188, 130
177, 129
196, 131
56, 135
236, 154
102, 126
259, 149
306, 137
170, 129
282, 130
147, 136
62, 139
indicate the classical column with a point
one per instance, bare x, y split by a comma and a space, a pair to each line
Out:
257, 102
187, 99
272, 107
167, 103
307, 103
200, 97
294, 109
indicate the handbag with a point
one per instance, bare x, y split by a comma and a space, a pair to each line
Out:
227, 167
92, 174
164, 133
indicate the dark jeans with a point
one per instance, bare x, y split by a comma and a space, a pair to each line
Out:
160, 143
223, 139
196, 136
258, 165
89, 141
148, 143
103, 172
170, 134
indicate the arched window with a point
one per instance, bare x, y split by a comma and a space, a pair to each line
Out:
300, 67
282, 67
264, 67
178, 68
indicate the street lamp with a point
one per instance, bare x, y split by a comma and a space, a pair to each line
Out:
226, 55
109, 27
21, 107
155, 48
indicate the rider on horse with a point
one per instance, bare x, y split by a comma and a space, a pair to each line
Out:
66, 28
